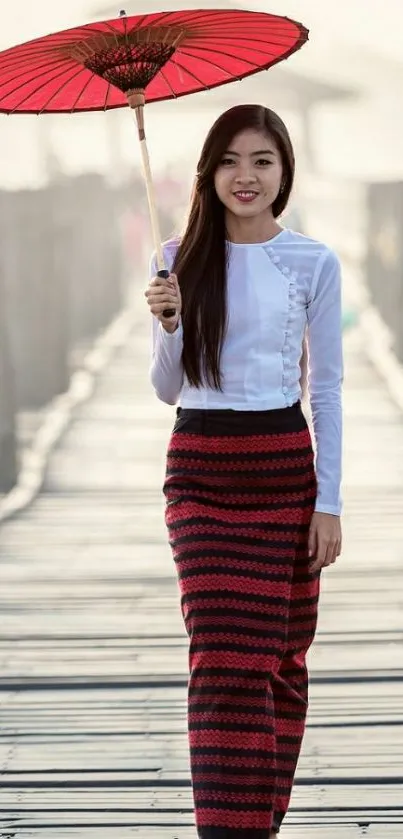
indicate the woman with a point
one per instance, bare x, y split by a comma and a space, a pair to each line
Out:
251, 522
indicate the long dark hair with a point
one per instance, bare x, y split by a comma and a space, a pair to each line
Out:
201, 259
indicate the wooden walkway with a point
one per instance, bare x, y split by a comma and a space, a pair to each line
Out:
93, 653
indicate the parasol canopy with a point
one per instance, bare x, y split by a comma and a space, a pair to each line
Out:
143, 58
92, 67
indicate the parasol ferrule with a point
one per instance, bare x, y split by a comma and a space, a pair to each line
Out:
136, 98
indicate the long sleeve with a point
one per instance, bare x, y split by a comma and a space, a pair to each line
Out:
166, 370
325, 378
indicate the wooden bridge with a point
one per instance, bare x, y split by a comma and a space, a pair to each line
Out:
93, 653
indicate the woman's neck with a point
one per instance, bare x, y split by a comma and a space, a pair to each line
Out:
245, 231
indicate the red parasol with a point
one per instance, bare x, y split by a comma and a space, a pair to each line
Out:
145, 58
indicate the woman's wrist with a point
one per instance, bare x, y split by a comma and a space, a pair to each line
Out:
171, 327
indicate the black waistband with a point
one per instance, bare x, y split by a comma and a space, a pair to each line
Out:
228, 421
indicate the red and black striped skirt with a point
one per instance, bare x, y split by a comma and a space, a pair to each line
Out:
240, 490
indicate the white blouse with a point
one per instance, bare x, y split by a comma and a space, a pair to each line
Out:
277, 291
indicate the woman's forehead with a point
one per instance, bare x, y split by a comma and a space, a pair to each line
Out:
251, 140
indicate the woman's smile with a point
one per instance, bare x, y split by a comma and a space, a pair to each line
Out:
245, 196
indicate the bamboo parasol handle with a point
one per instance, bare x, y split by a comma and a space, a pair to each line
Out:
136, 101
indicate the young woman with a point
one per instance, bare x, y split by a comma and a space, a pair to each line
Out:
251, 519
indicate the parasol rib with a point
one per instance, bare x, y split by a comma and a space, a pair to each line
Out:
56, 93
35, 90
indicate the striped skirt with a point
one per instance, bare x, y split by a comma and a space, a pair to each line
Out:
240, 489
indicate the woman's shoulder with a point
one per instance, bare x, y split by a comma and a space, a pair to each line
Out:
311, 260
169, 249
313, 263
171, 245
306, 245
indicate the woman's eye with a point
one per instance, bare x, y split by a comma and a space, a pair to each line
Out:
229, 161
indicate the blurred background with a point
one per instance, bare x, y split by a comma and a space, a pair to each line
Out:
74, 233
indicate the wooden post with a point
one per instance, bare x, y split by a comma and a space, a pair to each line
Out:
8, 440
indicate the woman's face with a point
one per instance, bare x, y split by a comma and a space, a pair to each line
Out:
248, 178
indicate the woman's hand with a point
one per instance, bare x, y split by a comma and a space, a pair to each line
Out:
325, 540
164, 294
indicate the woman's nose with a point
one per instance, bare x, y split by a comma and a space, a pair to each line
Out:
245, 175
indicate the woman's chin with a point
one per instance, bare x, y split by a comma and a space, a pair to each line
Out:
247, 210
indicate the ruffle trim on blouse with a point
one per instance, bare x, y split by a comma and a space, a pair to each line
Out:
291, 277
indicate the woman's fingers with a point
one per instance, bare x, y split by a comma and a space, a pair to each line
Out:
155, 291
163, 293
325, 540
331, 555
161, 289
312, 542
158, 308
161, 282
157, 296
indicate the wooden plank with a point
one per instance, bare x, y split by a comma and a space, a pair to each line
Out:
316, 831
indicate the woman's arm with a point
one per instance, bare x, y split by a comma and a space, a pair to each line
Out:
166, 370
166, 366
325, 378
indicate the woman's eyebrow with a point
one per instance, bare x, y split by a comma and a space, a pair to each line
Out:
261, 151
